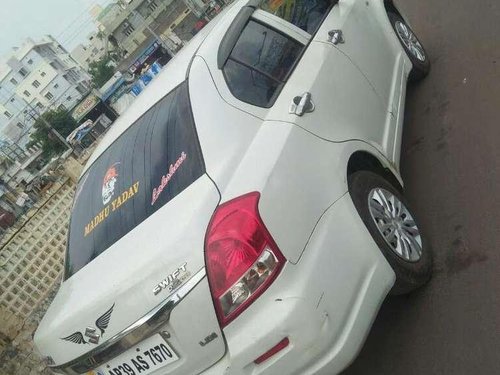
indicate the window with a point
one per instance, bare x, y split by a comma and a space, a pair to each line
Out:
82, 90
26, 93
23, 72
305, 14
56, 86
20, 125
136, 166
152, 5
7, 114
13, 81
43, 74
128, 29
36, 84
260, 63
12, 100
49, 95
69, 98
40, 105
30, 61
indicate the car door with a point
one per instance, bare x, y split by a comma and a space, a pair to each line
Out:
277, 63
366, 37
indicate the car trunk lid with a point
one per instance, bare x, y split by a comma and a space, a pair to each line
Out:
138, 274
136, 239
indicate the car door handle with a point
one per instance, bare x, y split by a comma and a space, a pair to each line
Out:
302, 104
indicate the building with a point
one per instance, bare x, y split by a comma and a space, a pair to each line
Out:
12, 151
94, 49
143, 31
7, 218
36, 77
96, 45
22, 172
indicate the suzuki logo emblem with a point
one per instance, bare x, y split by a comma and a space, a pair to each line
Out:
92, 335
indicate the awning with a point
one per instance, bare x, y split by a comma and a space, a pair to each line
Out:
110, 87
141, 53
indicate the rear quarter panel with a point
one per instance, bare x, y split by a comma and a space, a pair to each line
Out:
298, 174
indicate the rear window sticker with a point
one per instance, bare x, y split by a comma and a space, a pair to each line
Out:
108, 184
115, 204
166, 178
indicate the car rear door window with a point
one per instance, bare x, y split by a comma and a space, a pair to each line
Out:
305, 14
260, 63
154, 160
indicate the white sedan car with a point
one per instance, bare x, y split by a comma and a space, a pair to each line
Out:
245, 215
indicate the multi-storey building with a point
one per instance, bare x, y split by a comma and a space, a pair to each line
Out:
94, 49
140, 28
35, 77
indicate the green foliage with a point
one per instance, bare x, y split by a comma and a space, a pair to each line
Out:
100, 35
101, 71
61, 121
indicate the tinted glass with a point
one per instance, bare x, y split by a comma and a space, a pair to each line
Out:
149, 164
249, 85
260, 63
266, 50
306, 14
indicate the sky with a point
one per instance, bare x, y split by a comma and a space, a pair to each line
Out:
68, 21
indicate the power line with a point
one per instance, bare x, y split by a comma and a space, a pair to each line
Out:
32, 109
85, 13
39, 115
75, 27
76, 32
85, 19
15, 101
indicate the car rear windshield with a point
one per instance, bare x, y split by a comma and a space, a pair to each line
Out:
155, 159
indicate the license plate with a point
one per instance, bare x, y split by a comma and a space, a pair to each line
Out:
144, 358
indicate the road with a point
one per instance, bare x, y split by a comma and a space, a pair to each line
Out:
451, 165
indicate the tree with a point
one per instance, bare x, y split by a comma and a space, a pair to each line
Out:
100, 35
101, 71
62, 122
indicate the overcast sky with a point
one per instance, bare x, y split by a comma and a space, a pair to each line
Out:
67, 20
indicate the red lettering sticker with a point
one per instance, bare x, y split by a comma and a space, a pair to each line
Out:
166, 178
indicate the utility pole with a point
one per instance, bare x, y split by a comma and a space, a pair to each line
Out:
150, 29
30, 113
135, 13
46, 123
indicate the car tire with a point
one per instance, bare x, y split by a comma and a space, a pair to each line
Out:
412, 270
412, 46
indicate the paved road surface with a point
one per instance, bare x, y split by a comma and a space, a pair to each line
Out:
451, 165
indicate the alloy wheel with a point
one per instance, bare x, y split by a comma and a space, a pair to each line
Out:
409, 39
396, 224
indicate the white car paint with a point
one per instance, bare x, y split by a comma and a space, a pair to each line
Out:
327, 296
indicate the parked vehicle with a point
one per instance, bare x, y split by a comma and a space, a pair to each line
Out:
246, 214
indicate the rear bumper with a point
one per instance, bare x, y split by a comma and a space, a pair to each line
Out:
325, 304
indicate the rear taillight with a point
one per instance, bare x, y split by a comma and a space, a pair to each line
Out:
242, 258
